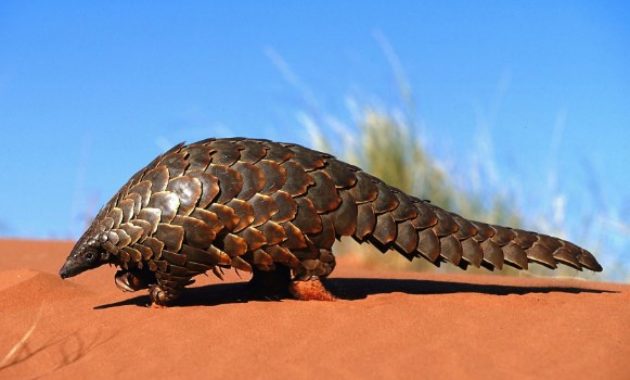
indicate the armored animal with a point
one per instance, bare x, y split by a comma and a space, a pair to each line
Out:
275, 209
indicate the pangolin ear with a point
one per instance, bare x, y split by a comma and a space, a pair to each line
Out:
101, 243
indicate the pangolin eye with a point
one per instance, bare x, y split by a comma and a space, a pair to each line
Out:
90, 256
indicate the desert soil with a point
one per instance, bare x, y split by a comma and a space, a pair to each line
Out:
385, 325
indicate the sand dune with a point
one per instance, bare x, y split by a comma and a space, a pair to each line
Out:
26, 287
388, 324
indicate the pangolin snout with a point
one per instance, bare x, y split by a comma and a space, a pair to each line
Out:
62, 272
68, 269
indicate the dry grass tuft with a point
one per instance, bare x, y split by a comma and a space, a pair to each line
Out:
21, 344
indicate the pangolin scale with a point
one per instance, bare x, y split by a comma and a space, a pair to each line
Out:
275, 209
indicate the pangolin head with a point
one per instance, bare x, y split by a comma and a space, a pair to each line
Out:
87, 253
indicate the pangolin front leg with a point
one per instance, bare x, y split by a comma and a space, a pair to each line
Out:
167, 289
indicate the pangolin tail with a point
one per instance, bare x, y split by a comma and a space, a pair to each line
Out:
390, 219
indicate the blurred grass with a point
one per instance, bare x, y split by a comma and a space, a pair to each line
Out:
386, 143
389, 150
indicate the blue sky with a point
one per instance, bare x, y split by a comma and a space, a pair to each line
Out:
90, 92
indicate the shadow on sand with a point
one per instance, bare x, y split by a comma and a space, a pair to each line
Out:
350, 289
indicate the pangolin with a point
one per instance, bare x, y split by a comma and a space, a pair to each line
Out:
275, 209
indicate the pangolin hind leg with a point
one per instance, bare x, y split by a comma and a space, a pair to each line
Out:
270, 284
311, 289
307, 284
302, 280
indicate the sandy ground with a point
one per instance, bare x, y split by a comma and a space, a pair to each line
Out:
389, 325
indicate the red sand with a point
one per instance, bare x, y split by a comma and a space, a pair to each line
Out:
393, 325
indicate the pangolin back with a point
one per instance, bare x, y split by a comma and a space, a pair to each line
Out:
256, 204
